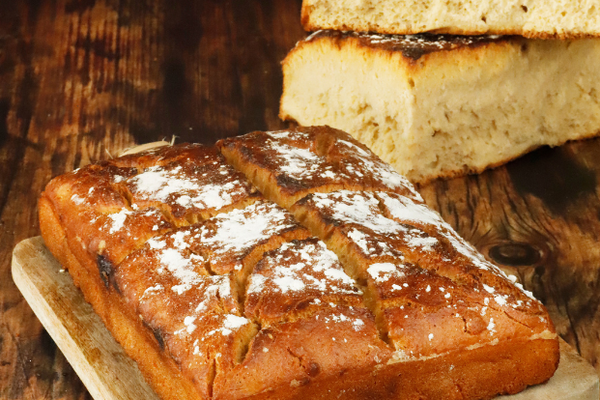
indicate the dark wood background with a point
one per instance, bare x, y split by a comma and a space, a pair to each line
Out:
83, 80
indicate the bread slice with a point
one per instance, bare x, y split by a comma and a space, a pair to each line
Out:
218, 292
528, 18
442, 106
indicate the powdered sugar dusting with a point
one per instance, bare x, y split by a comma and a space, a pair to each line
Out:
491, 326
155, 243
189, 324
404, 209
288, 134
368, 245
77, 199
379, 170
256, 284
298, 163
180, 267
291, 153
230, 324
118, 220
172, 255
213, 288
362, 210
382, 272
234, 322
357, 208
423, 243
301, 266
356, 322
187, 189
287, 282
241, 229
360, 239
152, 290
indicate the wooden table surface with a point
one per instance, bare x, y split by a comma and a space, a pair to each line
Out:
81, 80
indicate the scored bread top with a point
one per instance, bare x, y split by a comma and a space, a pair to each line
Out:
298, 252
193, 184
288, 165
297, 277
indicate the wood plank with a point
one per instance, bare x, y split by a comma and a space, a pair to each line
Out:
31, 367
99, 360
109, 374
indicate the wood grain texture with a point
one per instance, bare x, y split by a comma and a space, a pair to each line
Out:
83, 79
111, 375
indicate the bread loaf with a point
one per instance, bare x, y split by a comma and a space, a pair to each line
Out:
444, 106
290, 265
530, 18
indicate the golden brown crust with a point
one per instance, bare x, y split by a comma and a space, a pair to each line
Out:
466, 375
244, 303
296, 279
189, 183
137, 341
430, 290
300, 359
454, 297
288, 165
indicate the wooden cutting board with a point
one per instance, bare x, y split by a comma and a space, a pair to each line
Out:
108, 373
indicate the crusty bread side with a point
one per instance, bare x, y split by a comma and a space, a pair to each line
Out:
532, 18
137, 340
219, 293
443, 106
